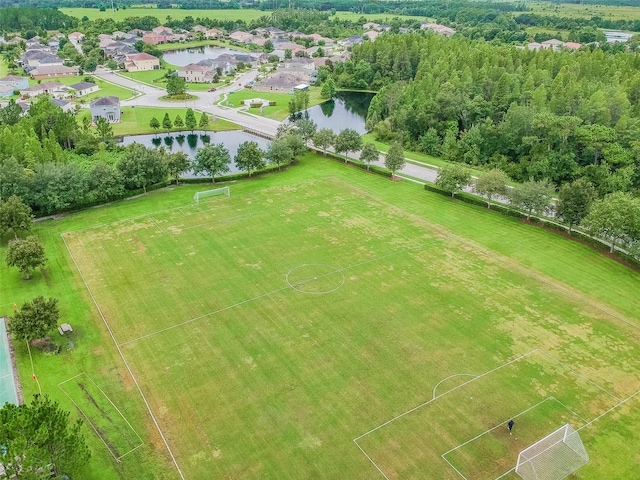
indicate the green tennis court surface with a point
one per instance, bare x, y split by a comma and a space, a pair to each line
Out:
7, 385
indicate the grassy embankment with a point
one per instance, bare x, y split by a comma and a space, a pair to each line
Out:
438, 288
278, 112
106, 89
135, 120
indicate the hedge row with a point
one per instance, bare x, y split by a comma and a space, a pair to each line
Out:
506, 210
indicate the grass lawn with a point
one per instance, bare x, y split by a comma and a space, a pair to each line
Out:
155, 78
106, 88
135, 120
161, 14
575, 10
278, 112
4, 68
271, 328
378, 17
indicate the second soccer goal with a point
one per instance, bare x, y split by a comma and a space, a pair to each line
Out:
211, 193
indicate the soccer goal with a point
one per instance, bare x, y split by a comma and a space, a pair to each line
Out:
212, 193
556, 456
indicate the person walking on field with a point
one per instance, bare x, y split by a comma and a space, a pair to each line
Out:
510, 425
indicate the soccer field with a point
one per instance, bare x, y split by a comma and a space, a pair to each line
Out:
291, 331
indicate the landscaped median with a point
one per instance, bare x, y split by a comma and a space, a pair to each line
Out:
136, 120
279, 111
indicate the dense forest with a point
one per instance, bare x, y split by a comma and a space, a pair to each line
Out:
23, 19
542, 115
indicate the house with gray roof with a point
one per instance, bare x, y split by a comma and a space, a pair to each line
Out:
107, 108
15, 81
282, 82
81, 89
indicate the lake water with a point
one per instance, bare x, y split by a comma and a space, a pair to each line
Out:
615, 37
346, 110
194, 55
189, 143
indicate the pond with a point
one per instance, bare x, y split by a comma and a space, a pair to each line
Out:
194, 55
345, 110
189, 142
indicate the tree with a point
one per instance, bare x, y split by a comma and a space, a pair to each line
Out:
295, 143
249, 157
307, 128
11, 114
299, 101
616, 218
279, 152
177, 164
15, 216
178, 123
155, 124
394, 160
35, 319
453, 178
26, 255
212, 160
490, 183
104, 129
141, 166
532, 196
105, 183
328, 88
369, 154
287, 54
574, 201
348, 140
323, 139
176, 85
190, 120
167, 124
39, 441
204, 121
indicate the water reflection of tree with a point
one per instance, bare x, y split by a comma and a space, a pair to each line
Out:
192, 141
206, 139
328, 107
156, 141
356, 102
180, 139
168, 141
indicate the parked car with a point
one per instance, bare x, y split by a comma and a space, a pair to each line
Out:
212, 89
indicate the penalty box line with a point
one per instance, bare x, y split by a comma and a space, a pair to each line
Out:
91, 423
501, 424
266, 294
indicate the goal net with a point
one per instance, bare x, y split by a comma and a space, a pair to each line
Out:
556, 456
212, 193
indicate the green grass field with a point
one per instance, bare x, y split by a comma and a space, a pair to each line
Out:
575, 10
135, 120
161, 14
278, 112
270, 329
106, 88
4, 68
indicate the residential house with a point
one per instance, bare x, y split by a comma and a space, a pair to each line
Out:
371, 34
259, 41
162, 29
384, 27
274, 32
154, 38
136, 32
55, 89
118, 35
283, 44
370, 26
83, 88
104, 40
299, 64
317, 38
213, 34
194, 73
572, 45
65, 105
141, 62
282, 82
107, 108
53, 71
240, 37
76, 37
554, 44
6, 90
16, 40
351, 41
535, 46
199, 28
15, 81
437, 28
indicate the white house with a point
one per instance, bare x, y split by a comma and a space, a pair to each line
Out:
83, 88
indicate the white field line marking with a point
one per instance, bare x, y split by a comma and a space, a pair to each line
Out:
33, 370
124, 360
155, 222
7, 375
501, 424
114, 406
90, 423
457, 471
447, 392
370, 459
451, 376
262, 295
505, 473
622, 402
563, 365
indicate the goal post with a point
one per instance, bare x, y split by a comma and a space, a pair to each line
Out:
556, 456
211, 193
